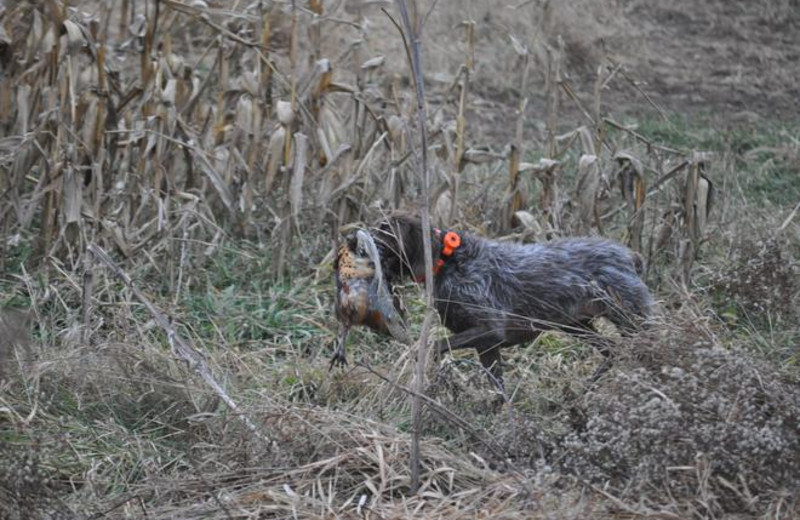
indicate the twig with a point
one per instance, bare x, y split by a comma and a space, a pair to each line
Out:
649, 513
656, 106
642, 138
199, 15
450, 416
653, 190
413, 47
88, 283
406, 46
565, 86
178, 345
789, 218
119, 504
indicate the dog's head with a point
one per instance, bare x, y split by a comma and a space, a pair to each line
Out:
399, 240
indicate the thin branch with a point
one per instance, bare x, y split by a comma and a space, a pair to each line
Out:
653, 189
789, 218
452, 417
179, 346
413, 48
406, 46
643, 139
428, 14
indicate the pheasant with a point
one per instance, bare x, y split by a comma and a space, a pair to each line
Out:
362, 295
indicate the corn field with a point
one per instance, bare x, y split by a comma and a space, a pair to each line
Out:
161, 126
145, 143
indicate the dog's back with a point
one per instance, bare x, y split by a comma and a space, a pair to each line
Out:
561, 283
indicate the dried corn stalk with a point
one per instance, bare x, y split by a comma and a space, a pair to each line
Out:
274, 157
587, 140
461, 119
587, 190
553, 90
665, 230
298, 175
546, 171
396, 127
442, 206
698, 196
516, 198
632, 184
530, 227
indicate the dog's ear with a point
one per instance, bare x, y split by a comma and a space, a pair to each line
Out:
399, 240
388, 239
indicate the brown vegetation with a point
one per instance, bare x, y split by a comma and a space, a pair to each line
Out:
173, 176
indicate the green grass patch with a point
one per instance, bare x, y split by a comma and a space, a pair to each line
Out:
764, 158
234, 299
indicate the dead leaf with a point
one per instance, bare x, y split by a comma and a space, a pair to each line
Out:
373, 63
75, 37
519, 47
215, 178
275, 156
285, 113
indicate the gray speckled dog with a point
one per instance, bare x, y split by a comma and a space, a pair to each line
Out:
493, 294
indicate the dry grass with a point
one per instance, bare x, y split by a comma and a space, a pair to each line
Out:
215, 150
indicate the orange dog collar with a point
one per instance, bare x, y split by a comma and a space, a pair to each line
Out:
451, 242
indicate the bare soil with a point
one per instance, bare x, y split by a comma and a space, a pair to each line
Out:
723, 61
720, 57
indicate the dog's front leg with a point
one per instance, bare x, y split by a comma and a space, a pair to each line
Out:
487, 341
479, 338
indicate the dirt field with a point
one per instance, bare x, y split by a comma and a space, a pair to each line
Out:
725, 60
721, 61
729, 59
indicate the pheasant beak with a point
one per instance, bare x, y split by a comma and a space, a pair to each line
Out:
365, 246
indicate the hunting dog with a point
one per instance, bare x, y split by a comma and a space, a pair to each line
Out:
492, 294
